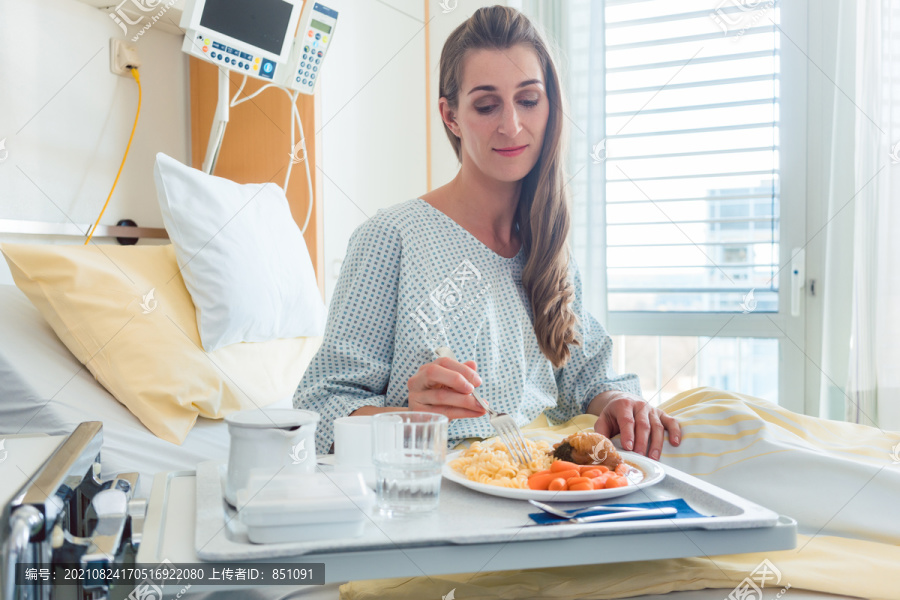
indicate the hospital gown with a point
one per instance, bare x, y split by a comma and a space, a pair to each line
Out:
414, 280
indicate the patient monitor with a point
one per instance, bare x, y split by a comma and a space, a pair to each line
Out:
261, 38
248, 36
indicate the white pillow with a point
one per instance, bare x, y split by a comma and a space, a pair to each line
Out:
242, 257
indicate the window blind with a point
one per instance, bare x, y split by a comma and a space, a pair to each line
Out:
689, 153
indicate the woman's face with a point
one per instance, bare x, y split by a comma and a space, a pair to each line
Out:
502, 112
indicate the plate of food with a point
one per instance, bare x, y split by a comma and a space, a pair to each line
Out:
582, 466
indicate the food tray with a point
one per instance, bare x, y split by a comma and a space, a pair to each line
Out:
467, 517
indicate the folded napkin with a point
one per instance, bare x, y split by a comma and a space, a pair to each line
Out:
684, 511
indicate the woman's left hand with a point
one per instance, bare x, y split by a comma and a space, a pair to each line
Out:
642, 426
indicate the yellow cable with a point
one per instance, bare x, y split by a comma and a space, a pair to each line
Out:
137, 78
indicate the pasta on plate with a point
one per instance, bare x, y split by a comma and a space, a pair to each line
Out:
491, 463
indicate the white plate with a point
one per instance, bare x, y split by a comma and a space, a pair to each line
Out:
653, 474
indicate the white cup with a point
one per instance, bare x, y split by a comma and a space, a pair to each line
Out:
353, 441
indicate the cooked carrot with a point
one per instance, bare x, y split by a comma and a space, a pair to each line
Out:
581, 487
562, 465
540, 481
622, 469
576, 480
603, 468
616, 482
557, 485
566, 474
591, 473
544, 472
599, 483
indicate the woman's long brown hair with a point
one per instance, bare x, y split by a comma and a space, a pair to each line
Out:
542, 216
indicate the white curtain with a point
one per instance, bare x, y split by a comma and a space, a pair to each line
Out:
874, 367
830, 150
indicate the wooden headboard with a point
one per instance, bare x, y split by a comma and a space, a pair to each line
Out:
257, 145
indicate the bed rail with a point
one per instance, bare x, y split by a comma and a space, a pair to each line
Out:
123, 230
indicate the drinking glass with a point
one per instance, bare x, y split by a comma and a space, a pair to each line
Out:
408, 449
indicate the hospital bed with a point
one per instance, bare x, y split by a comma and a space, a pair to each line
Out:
46, 390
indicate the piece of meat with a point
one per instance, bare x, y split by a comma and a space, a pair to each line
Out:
588, 448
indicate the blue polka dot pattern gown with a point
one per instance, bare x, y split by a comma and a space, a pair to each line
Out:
413, 280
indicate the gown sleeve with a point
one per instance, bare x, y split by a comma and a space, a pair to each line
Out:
353, 366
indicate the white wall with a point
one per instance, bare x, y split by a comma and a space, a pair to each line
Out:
373, 117
66, 118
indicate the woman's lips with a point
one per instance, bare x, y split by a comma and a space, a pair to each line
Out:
511, 151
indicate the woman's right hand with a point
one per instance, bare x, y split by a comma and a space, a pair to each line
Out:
445, 386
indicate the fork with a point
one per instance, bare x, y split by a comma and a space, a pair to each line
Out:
568, 514
648, 513
505, 425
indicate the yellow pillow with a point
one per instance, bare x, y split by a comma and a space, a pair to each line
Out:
125, 313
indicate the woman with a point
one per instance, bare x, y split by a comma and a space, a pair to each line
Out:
480, 265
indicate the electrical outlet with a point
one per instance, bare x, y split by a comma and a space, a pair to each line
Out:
122, 56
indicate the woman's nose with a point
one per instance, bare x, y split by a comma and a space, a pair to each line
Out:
509, 123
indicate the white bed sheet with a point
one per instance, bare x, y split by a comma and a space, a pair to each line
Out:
44, 389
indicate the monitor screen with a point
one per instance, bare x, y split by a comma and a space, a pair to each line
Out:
320, 25
260, 23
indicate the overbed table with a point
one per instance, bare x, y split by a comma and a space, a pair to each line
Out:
169, 534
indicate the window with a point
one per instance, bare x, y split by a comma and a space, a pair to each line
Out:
678, 115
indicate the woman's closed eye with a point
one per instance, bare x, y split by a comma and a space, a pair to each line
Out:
485, 109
